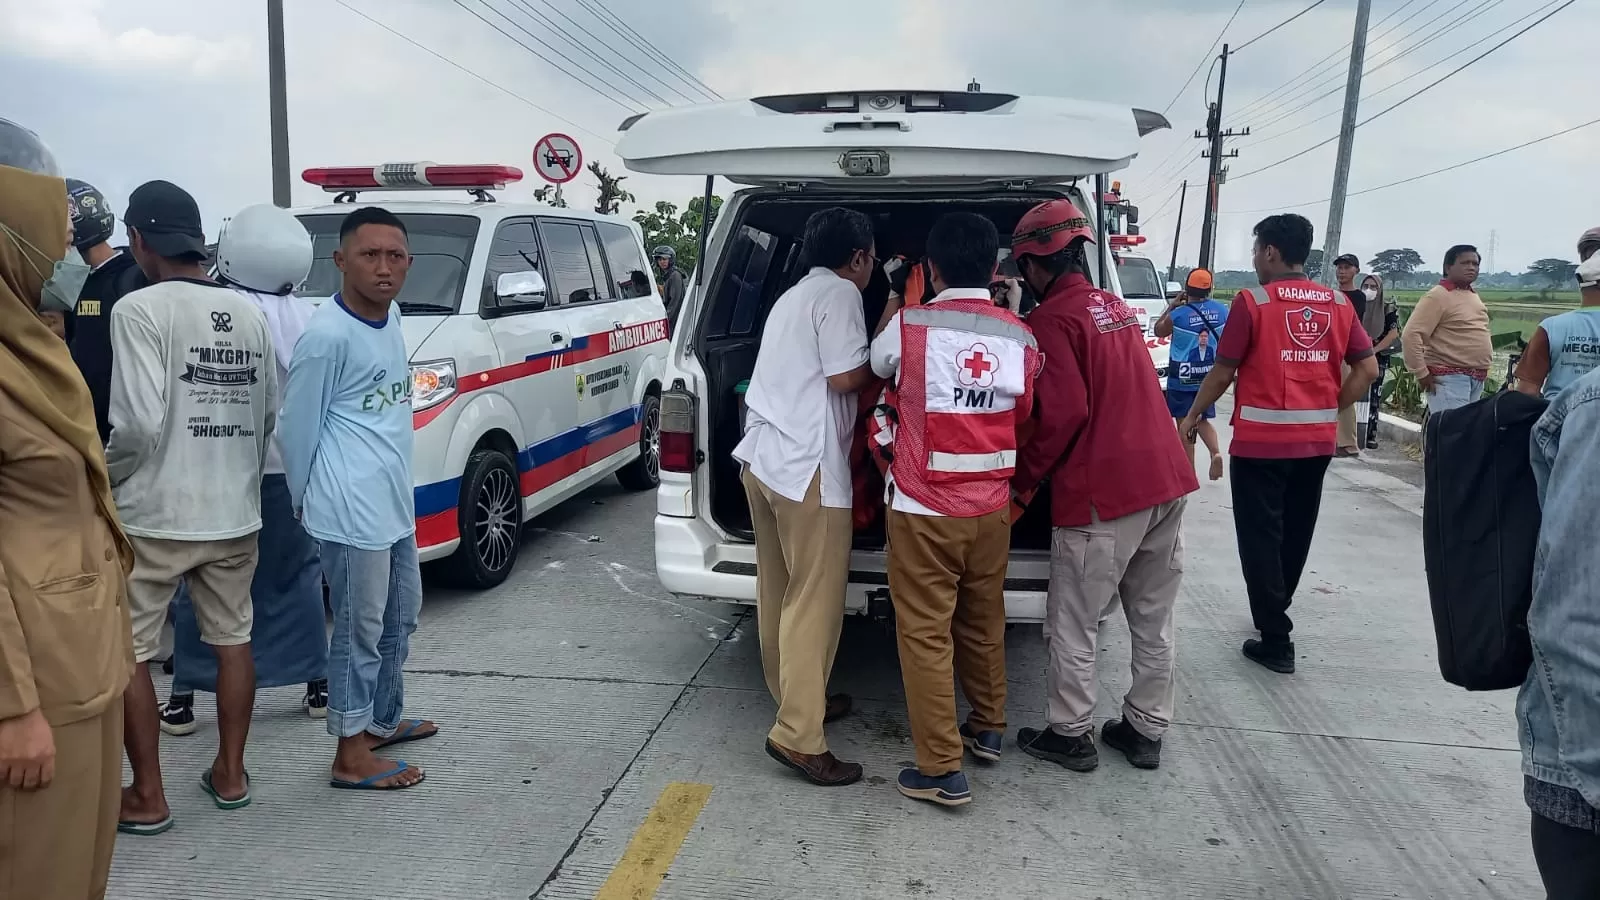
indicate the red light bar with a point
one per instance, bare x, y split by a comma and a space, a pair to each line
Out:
419, 176
1127, 240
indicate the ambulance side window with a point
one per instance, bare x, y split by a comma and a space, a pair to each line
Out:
571, 274
746, 274
515, 249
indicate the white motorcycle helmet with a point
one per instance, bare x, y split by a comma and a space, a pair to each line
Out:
264, 248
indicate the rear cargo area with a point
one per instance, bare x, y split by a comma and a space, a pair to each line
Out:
763, 260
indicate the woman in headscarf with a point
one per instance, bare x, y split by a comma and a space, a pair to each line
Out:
65, 646
1381, 319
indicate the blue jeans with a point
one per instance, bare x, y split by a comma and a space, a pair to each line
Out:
375, 595
1453, 392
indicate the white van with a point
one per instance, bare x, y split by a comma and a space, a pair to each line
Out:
537, 343
903, 158
1145, 289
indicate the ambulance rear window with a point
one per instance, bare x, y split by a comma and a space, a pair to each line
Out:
1139, 279
441, 250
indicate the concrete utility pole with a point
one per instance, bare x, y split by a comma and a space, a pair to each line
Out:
1347, 140
1214, 134
279, 103
1177, 233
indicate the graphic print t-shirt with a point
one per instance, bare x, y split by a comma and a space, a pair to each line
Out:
194, 398
1196, 326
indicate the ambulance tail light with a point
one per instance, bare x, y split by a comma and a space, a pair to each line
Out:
417, 176
680, 411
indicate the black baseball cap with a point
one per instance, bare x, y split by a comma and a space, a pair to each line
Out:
168, 220
1347, 259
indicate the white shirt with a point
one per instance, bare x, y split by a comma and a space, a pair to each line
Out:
795, 424
287, 316
886, 363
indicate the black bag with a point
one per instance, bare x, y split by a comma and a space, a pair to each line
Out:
1480, 529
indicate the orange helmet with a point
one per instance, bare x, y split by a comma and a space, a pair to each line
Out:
1200, 280
1049, 228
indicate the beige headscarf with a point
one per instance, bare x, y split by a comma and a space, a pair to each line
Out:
36, 368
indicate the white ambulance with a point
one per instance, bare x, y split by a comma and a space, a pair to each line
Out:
901, 157
538, 345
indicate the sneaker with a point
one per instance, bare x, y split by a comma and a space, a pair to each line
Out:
316, 700
945, 790
1142, 752
1372, 442
985, 745
1075, 753
1277, 657
177, 715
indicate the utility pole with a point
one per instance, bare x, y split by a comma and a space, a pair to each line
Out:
1214, 135
1347, 139
1494, 244
279, 104
1177, 233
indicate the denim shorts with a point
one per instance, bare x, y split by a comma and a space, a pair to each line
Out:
1453, 392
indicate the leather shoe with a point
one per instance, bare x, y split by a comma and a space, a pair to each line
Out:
839, 706
824, 769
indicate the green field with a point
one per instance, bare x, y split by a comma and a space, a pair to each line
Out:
1509, 310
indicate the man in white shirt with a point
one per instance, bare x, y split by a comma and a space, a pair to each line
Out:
801, 411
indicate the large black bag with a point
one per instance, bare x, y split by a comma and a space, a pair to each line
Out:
1480, 529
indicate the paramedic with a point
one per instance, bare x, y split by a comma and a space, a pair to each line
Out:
1194, 323
1118, 481
1564, 348
800, 415
1446, 342
964, 372
1287, 342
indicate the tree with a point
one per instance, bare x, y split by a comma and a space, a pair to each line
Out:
1553, 273
1314, 265
666, 225
549, 194
1397, 266
612, 195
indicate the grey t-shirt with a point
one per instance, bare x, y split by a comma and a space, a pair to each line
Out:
194, 394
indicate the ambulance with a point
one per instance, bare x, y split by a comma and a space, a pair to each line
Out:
537, 344
1143, 285
903, 158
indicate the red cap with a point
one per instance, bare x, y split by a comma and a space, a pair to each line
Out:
1049, 228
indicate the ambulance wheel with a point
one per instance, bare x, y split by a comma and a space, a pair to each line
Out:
644, 473
491, 522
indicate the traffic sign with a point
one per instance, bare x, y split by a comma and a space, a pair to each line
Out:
557, 158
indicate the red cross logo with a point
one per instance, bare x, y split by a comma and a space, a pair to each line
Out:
975, 366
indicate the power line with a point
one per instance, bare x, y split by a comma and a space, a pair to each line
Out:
625, 56
565, 70
1461, 165
1190, 80
1280, 25
1163, 207
1442, 79
528, 10
625, 31
499, 87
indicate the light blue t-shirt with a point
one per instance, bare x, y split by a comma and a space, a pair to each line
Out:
1196, 329
345, 430
1574, 347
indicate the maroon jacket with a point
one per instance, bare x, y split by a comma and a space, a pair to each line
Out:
1102, 433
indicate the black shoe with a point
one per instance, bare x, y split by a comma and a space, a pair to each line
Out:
177, 715
1277, 657
1142, 752
315, 702
1372, 442
166, 665
1075, 753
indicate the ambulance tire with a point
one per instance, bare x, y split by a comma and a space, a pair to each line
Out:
486, 556
644, 473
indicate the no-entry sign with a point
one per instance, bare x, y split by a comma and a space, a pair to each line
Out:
557, 158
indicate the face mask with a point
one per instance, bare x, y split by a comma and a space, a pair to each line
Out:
65, 282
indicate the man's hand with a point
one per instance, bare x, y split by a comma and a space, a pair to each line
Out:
1189, 426
1428, 383
27, 752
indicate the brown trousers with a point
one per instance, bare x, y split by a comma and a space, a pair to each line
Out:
56, 843
947, 579
802, 570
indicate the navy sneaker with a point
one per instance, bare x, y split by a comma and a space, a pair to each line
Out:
1075, 753
177, 715
985, 745
945, 790
315, 702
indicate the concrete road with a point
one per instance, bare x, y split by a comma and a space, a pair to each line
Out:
603, 739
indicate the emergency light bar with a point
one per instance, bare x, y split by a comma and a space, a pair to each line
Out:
1127, 240
417, 176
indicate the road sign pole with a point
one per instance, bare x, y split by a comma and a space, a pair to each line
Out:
278, 103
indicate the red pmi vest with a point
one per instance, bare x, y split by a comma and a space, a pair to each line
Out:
1288, 388
950, 423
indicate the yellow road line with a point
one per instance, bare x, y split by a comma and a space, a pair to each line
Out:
655, 845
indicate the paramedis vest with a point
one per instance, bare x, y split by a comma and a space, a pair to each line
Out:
1288, 388
951, 420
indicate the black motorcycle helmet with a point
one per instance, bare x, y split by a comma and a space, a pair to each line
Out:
92, 219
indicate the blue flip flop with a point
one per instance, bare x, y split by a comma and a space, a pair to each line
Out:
406, 733
222, 802
371, 784
146, 829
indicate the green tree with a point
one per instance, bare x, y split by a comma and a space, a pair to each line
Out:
549, 194
667, 225
612, 194
1552, 273
1396, 266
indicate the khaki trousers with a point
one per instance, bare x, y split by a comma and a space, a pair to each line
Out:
56, 843
1140, 557
1347, 422
947, 580
802, 570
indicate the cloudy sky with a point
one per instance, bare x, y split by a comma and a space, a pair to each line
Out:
129, 90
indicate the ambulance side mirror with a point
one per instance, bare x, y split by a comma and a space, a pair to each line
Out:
524, 290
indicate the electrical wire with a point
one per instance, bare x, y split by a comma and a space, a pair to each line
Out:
1461, 165
620, 54
610, 95
1442, 79
1207, 55
528, 10
499, 87
1274, 28
625, 31
1151, 217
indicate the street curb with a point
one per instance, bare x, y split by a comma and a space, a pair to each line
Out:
1399, 431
